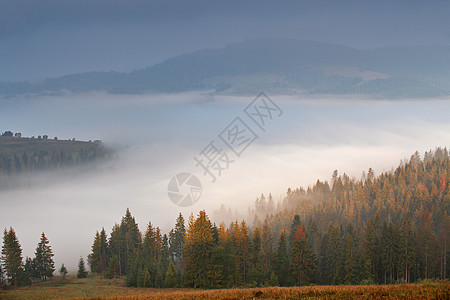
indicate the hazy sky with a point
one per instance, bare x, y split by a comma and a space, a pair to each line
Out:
164, 132
46, 38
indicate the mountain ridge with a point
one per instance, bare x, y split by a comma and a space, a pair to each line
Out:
280, 66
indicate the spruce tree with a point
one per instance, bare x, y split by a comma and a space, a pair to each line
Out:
63, 271
44, 259
131, 237
12, 257
82, 273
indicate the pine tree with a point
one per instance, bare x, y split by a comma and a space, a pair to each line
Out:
82, 273
63, 271
44, 258
12, 257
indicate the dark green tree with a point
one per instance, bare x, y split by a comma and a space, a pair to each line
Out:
12, 257
176, 241
44, 259
95, 258
281, 261
82, 273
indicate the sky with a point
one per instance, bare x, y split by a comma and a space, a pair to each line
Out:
48, 38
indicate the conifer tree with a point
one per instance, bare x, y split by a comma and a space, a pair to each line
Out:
94, 259
301, 264
281, 261
116, 250
131, 237
267, 249
198, 253
176, 241
82, 273
113, 268
171, 279
103, 250
63, 271
164, 256
12, 257
44, 258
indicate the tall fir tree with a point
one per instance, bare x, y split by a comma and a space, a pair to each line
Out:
12, 257
82, 273
94, 259
44, 258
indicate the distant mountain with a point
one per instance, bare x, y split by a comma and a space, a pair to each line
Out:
279, 66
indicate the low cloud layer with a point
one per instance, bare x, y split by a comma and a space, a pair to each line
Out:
160, 134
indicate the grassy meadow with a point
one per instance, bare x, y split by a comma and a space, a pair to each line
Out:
99, 288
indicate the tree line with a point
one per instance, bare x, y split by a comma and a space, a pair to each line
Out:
391, 228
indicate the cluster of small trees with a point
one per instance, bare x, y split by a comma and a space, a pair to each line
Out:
17, 272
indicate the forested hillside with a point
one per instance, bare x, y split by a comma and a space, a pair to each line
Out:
21, 155
380, 229
391, 228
